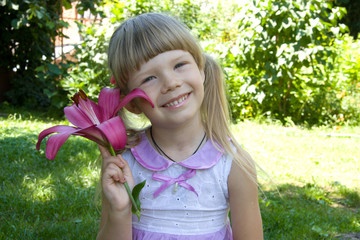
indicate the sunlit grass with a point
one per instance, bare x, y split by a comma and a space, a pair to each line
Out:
291, 154
313, 191
41, 198
313, 185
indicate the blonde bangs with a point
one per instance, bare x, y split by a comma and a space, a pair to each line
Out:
139, 39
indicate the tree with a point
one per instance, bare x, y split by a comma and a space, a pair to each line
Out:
28, 30
278, 57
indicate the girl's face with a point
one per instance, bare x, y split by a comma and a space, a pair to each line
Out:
174, 83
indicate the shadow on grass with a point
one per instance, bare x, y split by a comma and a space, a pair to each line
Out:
45, 199
309, 212
7, 110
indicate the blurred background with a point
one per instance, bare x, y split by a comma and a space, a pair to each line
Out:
293, 61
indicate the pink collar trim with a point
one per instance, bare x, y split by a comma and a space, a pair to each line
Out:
148, 157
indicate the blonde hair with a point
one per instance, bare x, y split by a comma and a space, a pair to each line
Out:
141, 38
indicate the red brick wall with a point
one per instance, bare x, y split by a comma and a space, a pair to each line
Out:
69, 16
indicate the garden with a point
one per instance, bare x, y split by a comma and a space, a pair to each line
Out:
292, 72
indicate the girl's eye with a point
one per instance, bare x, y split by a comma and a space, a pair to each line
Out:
179, 65
148, 79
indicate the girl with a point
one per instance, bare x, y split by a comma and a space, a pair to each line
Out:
194, 168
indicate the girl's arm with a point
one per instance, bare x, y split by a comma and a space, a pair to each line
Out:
244, 205
116, 216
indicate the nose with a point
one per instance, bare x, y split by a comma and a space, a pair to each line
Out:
170, 82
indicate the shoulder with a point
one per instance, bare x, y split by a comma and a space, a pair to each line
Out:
242, 177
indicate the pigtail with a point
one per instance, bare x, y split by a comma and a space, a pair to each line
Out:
216, 117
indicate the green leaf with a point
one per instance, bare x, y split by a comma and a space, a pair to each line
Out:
67, 4
40, 68
135, 193
39, 14
15, 23
53, 68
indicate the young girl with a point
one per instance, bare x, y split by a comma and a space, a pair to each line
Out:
195, 171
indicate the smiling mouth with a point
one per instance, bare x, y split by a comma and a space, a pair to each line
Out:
177, 101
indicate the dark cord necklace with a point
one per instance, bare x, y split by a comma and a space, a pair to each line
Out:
158, 148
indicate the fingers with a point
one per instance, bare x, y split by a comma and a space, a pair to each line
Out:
117, 168
114, 171
106, 156
122, 163
112, 165
104, 152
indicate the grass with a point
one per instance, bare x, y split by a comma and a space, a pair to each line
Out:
313, 192
44, 199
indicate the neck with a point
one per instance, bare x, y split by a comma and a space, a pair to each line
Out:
178, 144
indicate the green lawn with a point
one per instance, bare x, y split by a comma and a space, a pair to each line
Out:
313, 191
314, 186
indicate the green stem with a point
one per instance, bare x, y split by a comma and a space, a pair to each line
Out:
112, 152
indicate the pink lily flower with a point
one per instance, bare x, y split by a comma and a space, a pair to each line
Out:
97, 122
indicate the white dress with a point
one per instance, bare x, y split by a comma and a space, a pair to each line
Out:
184, 200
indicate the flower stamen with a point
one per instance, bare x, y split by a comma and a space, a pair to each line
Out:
80, 98
83, 95
75, 99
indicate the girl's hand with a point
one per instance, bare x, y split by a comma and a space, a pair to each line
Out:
114, 172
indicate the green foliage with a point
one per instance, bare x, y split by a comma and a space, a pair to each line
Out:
277, 56
346, 74
28, 30
286, 60
89, 72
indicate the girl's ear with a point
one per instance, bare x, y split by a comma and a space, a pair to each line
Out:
133, 108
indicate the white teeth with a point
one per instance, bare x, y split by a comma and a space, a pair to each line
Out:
176, 102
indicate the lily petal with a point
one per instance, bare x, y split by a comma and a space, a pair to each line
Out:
137, 92
77, 117
84, 114
115, 132
109, 100
94, 134
55, 141
54, 129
